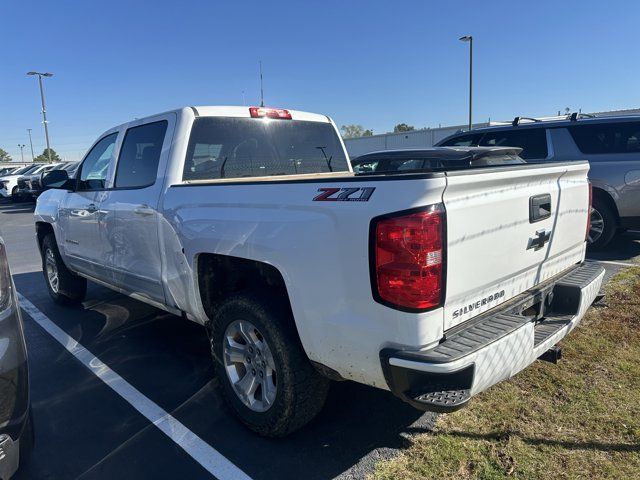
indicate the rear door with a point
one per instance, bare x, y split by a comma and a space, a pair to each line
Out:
509, 229
613, 149
131, 207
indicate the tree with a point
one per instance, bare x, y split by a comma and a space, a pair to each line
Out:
4, 156
44, 157
403, 127
355, 131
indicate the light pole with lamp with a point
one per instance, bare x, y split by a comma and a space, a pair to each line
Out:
44, 110
21, 147
31, 144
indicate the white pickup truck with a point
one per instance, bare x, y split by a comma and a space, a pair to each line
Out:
432, 284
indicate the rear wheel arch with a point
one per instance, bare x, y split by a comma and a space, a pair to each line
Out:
222, 276
601, 195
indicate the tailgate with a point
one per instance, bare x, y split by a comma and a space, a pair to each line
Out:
499, 242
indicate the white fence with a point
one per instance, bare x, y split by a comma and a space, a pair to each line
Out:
391, 141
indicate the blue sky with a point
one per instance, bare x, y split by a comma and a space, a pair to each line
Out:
372, 63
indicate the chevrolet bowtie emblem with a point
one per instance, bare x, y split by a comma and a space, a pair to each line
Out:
540, 239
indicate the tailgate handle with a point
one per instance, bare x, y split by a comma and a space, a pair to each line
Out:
539, 207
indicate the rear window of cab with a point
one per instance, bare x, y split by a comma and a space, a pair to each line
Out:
224, 147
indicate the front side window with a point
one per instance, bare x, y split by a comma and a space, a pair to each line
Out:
607, 137
140, 155
532, 141
94, 169
221, 147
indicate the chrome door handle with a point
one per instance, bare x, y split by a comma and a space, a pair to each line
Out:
143, 210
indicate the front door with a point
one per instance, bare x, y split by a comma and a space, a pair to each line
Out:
81, 217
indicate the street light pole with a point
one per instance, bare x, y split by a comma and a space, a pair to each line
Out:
44, 109
469, 38
31, 144
21, 147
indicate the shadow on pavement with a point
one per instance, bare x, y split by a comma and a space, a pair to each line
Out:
623, 247
7, 206
167, 359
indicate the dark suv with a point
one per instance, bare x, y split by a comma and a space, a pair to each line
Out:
610, 144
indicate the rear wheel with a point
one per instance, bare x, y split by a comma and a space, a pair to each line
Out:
263, 373
65, 287
603, 225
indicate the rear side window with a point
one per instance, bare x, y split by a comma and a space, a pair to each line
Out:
462, 141
607, 137
140, 155
532, 141
221, 147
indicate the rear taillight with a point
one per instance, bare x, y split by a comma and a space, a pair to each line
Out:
586, 235
408, 259
262, 112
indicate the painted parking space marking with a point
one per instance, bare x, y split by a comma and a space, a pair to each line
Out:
203, 453
610, 262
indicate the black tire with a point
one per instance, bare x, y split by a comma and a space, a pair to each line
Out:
301, 391
71, 288
601, 210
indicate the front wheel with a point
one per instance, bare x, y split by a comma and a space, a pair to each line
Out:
264, 375
65, 287
603, 226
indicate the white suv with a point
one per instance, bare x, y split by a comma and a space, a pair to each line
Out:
9, 183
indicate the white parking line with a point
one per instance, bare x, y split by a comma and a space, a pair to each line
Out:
608, 262
203, 453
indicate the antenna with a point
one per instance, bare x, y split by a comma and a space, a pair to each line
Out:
261, 88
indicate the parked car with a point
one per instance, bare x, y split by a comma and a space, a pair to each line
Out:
8, 170
434, 159
9, 183
610, 144
30, 186
16, 426
25, 190
432, 284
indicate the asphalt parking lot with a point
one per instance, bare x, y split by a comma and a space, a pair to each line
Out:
84, 429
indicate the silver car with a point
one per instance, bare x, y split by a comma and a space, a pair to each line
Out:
610, 144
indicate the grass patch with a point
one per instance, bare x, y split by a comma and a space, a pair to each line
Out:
577, 419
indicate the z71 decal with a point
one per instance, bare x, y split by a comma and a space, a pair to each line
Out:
344, 194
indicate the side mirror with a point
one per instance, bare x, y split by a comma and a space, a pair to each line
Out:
55, 179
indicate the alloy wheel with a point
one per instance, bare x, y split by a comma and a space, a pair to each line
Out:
249, 365
52, 270
597, 226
